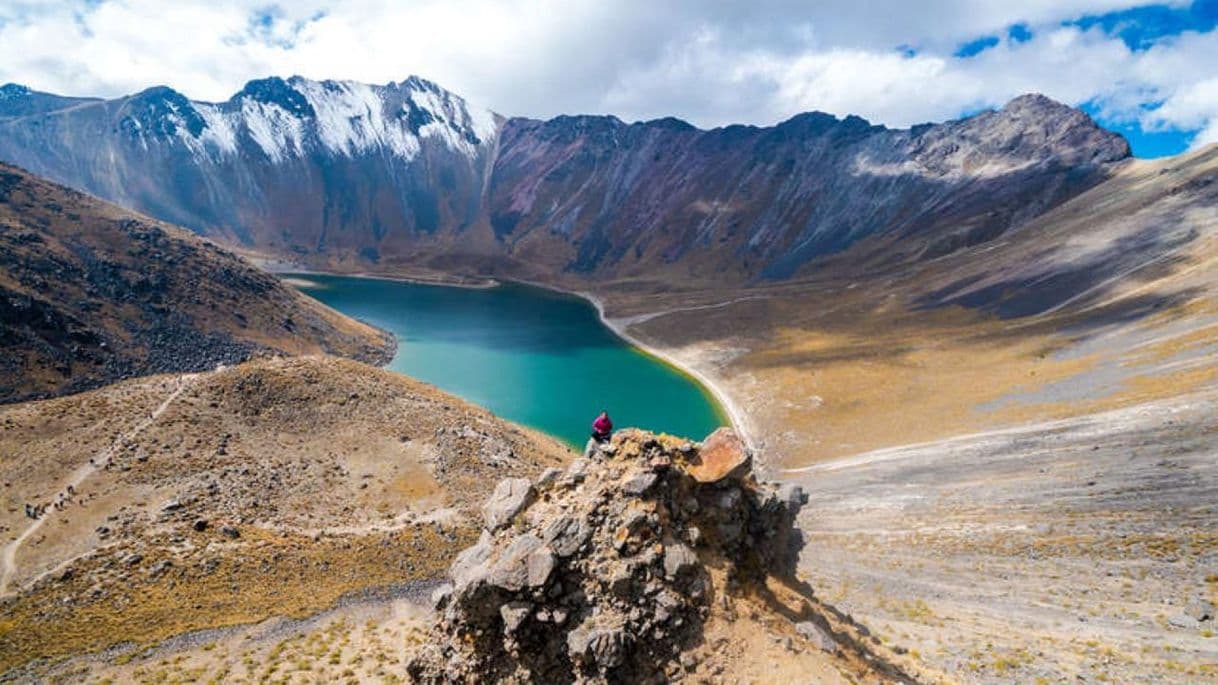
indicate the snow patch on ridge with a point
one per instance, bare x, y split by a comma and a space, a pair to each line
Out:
273, 128
347, 119
351, 119
218, 132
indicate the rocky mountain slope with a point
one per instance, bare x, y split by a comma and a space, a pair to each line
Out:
284, 165
347, 175
90, 293
275, 488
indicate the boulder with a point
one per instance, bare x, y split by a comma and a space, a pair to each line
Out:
510, 497
511, 570
1199, 609
548, 477
640, 484
566, 535
513, 614
540, 564
599, 583
678, 559
470, 564
723, 454
819, 637
603, 646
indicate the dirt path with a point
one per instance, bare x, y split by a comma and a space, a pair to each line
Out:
80, 475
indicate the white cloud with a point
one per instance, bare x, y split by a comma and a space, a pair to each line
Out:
708, 61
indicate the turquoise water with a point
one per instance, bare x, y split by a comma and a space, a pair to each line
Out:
530, 355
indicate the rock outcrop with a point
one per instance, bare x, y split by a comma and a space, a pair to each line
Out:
608, 571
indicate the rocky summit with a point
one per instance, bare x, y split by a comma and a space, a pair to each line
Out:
611, 570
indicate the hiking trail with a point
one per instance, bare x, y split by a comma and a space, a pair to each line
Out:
82, 474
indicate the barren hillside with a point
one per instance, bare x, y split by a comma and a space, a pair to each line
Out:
91, 293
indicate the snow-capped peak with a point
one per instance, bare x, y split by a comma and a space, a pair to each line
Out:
288, 118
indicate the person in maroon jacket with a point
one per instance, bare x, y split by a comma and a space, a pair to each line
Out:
602, 427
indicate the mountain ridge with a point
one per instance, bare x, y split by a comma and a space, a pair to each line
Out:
410, 175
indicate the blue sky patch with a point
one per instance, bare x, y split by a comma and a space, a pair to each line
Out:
1142, 27
1145, 144
974, 47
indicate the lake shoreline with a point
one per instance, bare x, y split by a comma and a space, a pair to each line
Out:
281, 268
733, 411
668, 356
730, 409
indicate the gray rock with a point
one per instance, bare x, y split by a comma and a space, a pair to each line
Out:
818, 636
577, 471
470, 565
540, 564
513, 614
566, 535
602, 645
510, 497
678, 558
548, 477
160, 567
634, 518
640, 484
133, 559
230, 532
1199, 609
511, 570
1182, 621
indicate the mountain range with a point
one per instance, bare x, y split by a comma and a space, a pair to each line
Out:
985, 346
409, 174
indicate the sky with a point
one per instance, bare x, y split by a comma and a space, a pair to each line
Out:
1149, 71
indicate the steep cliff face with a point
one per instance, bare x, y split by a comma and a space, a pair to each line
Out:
410, 174
90, 293
752, 201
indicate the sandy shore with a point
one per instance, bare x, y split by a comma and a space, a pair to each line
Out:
670, 356
279, 268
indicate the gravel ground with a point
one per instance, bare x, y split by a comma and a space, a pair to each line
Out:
1070, 551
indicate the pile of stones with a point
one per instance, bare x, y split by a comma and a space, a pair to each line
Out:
602, 572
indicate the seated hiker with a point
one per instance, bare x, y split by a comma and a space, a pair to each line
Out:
602, 427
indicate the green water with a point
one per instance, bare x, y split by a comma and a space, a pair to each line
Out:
530, 355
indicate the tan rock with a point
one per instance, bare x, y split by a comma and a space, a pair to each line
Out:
723, 454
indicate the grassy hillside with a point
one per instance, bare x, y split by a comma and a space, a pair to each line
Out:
272, 488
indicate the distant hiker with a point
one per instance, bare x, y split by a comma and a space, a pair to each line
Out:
602, 427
